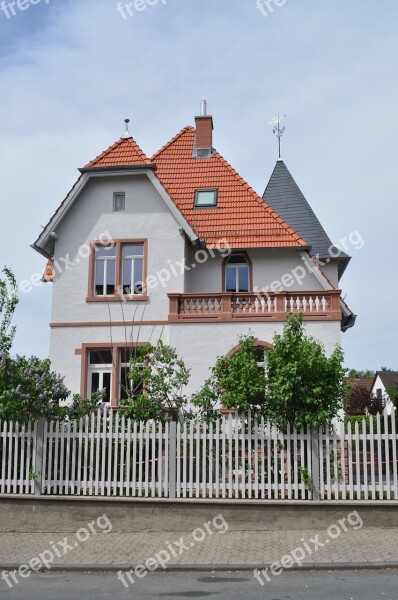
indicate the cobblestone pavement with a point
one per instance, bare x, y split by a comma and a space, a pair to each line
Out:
229, 548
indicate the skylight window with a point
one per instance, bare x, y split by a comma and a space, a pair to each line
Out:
206, 198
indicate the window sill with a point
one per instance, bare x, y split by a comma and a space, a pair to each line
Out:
117, 298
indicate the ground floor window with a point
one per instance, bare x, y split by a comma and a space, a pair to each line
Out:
100, 373
128, 388
107, 369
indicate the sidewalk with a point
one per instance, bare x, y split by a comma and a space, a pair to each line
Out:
233, 549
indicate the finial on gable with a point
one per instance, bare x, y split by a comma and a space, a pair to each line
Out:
127, 135
278, 130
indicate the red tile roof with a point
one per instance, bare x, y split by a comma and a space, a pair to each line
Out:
241, 216
124, 152
48, 275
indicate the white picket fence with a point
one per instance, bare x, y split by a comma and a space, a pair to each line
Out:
239, 456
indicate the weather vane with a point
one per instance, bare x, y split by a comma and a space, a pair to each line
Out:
277, 129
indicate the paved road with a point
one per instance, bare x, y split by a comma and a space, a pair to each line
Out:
304, 585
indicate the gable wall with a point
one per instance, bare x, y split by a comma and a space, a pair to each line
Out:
92, 215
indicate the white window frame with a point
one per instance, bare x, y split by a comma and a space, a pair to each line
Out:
238, 266
114, 201
101, 369
133, 258
104, 259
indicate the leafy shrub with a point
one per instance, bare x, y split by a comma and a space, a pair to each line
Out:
304, 386
29, 389
161, 376
236, 381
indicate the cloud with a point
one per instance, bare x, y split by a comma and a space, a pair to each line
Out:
70, 72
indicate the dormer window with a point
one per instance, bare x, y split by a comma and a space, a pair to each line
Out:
119, 202
206, 198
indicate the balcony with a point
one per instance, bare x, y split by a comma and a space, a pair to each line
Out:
225, 306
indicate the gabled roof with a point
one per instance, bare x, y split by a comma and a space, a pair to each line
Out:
388, 378
241, 217
366, 382
124, 152
285, 197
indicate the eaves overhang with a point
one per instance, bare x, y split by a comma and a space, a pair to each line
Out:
118, 168
42, 242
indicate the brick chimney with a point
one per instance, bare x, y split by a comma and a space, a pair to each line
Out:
204, 133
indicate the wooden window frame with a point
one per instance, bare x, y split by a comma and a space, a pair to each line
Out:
249, 264
118, 296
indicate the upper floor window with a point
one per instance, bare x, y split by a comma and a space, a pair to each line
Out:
237, 273
133, 268
206, 198
118, 270
119, 202
105, 270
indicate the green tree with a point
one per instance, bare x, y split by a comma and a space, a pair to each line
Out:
161, 376
8, 303
393, 394
29, 390
365, 373
236, 381
304, 386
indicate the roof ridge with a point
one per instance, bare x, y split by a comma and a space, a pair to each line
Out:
261, 202
105, 152
131, 141
172, 140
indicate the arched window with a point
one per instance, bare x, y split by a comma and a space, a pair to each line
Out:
237, 274
260, 348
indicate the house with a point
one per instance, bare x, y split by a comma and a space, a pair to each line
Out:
366, 382
382, 382
178, 246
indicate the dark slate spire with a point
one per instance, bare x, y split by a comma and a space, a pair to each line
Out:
284, 196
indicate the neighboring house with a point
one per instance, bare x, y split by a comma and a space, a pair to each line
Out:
196, 258
384, 380
366, 382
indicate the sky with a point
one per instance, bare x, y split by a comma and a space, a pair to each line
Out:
71, 71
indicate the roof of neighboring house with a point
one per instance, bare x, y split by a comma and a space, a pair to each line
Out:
285, 197
241, 217
366, 382
124, 152
388, 378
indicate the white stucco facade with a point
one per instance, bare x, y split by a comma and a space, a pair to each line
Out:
78, 323
379, 390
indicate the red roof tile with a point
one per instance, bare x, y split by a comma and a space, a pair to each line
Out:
241, 216
48, 275
123, 152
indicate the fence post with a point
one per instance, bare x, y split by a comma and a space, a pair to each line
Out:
315, 463
39, 456
172, 459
